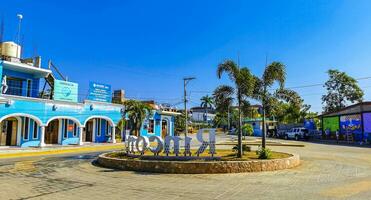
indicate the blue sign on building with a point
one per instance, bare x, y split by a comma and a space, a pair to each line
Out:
100, 92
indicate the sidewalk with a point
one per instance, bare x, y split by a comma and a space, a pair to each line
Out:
15, 152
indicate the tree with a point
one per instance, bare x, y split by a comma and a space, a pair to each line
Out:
137, 112
291, 110
243, 87
220, 120
274, 72
341, 90
180, 123
206, 102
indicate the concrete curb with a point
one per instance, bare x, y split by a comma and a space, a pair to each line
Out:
61, 151
198, 167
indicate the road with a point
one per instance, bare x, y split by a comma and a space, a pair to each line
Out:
326, 172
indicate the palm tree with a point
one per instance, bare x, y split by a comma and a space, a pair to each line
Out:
274, 72
207, 102
223, 99
244, 85
137, 112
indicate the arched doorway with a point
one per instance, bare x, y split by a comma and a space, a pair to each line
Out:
62, 130
164, 128
9, 132
98, 129
52, 132
89, 131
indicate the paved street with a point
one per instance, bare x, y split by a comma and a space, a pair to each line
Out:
327, 172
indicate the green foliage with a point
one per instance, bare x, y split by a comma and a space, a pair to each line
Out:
136, 111
207, 101
247, 129
341, 90
180, 123
264, 153
244, 85
220, 120
245, 148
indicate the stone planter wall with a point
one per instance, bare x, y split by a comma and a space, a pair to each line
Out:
198, 167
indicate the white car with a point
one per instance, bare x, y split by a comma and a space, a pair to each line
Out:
297, 133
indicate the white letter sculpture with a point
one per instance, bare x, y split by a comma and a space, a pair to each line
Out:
204, 144
187, 146
176, 141
145, 142
131, 142
160, 145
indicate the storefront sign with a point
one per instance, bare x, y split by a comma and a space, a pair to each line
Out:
65, 91
100, 92
142, 143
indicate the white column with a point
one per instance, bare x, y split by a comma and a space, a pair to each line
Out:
80, 135
113, 135
42, 136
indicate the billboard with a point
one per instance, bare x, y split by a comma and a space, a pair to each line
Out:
65, 91
351, 123
331, 123
100, 92
367, 122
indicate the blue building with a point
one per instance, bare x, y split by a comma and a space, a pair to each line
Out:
160, 122
29, 117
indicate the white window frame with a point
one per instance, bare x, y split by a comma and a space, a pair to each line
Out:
35, 130
74, 133
99, 127
28, 90
107, 129
24, 129
65, 127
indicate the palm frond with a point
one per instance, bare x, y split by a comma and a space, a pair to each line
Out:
276, 71
228, 67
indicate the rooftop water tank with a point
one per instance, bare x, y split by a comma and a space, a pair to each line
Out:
11, 49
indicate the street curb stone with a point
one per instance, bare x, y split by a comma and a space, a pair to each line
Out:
198, 167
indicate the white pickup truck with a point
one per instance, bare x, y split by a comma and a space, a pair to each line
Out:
297, 133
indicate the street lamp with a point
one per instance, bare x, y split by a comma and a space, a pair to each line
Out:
185, 82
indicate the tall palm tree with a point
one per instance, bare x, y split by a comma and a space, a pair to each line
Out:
274, 72
137, 112
243, 87
207, 102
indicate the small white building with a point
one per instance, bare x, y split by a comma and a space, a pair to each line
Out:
200, 114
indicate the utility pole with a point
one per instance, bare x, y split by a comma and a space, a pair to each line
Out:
185, 82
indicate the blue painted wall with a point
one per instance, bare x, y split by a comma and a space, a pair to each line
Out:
43, 109
157, 118
104, 132
70, 139
34, 81
30, 141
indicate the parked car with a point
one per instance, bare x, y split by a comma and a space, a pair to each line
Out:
297, 133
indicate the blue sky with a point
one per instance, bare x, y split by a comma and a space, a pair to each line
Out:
146, 47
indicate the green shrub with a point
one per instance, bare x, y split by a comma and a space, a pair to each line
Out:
245, 148
247, 130
264, 153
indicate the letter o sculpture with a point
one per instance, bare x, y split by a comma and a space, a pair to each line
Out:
143, 148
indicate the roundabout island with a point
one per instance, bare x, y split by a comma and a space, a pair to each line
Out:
162, 159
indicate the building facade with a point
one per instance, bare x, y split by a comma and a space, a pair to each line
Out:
353, 121
27, 119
